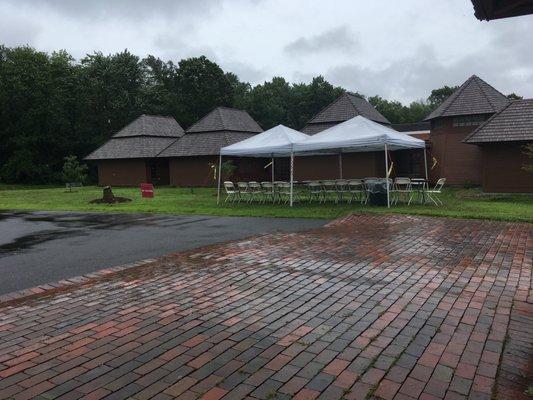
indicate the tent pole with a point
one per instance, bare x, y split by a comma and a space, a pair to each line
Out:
340, 165
272, 166
292, 173
425, 163
387, 175
219, 177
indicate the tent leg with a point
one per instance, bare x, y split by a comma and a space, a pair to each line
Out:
272, 166
292, 175
425, 164
387, 175
340, 165
219, 177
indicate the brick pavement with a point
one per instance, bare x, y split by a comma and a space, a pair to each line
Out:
384, 307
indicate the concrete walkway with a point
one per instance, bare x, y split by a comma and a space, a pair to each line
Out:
372, 307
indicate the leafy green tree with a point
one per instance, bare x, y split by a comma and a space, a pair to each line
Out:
202, 86
52, 106
73, 171
437, 96
514, 96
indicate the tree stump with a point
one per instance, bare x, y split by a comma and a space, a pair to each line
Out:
108, 196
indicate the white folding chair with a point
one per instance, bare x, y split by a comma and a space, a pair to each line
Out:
284, 192
402, 190
357, 191
315, 191
256, 192
268, 191
433, 194
244, 191
231, 192
341, 185
329, 188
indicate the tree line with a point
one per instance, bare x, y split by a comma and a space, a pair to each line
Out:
53, 106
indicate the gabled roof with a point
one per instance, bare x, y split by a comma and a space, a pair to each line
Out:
346, 106
226, 119
145, 137
513, 123
151, 125
475, 96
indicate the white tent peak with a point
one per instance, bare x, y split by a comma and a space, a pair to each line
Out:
358, 134
277, 141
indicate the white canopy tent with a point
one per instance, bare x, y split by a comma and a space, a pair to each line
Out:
359, 134
275, 142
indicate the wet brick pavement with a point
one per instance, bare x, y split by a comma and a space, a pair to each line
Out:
377, 307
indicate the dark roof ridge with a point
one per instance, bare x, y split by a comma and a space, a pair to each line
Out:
170, 144
458, 92
157, 116
484, 93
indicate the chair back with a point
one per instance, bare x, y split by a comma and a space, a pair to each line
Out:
229, 187
341, 184
329, 185
402, 183
440, 183
243, 186
254, 186
267, 185
356, 184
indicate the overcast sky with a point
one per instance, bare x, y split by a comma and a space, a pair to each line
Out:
397, 49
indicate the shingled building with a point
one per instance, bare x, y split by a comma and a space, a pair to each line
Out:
192, 157
501, 140
156, 149
456, 118
130, 157
358, 165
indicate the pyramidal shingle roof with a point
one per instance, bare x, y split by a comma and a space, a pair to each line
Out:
226, 119
513, 123
346, 106
220, 128
151, 125
475, 96
145, 137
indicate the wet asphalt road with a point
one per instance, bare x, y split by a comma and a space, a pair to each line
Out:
40, 247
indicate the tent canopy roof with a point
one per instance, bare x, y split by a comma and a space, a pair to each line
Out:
275, 142
357, 134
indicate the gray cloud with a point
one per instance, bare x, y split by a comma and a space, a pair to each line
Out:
414, 77
399, 50
120, 9
17, 32
333, 40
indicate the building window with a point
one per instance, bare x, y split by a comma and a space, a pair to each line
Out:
469, 120
438, 123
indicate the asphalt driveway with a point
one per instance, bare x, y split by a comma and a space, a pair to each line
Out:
41, 247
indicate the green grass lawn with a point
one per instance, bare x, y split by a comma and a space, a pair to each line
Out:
458, 203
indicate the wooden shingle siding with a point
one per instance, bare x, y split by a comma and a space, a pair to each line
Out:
458, 162
127, 172
502, 168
